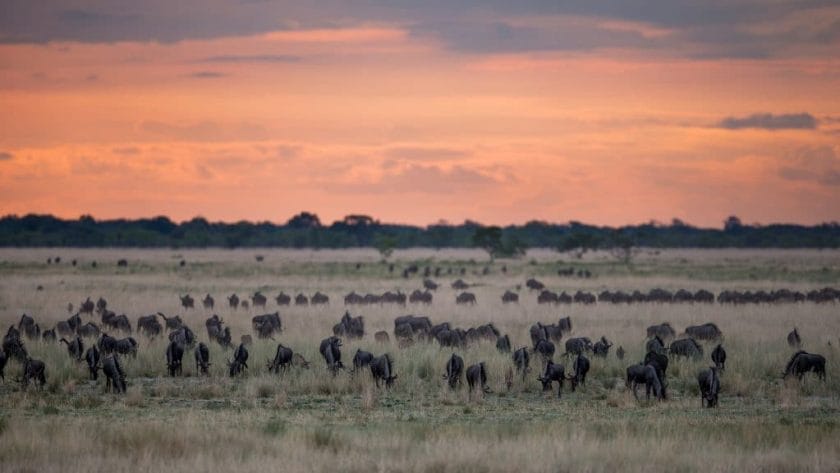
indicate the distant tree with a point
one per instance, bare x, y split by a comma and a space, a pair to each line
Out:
490, 240
304, 220
359, 221
732, 223
385, 244
579, 242
623, 246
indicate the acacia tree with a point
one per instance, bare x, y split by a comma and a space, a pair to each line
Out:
490, 240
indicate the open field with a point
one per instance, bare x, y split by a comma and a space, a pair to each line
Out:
306, 420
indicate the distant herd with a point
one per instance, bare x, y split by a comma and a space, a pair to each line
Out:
661, 342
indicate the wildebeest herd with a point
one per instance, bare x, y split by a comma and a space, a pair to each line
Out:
90, 343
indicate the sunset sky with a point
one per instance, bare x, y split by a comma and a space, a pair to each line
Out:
611, 112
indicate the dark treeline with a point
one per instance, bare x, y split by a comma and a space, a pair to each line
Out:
305, 230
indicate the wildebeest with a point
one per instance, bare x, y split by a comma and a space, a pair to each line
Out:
420, 297
114, 374
619, 353
545, 348
208, 302
75, 347
258, 299
331, 351
465, 298
34, 370
578, 345
49, 335
477, 377
282, 359
92, 359
69, 327
537, 333
3, 360
319, 299
202, 358
521, 359
794, 339
361, 359
233, 301
28, 327
454, 371
686, 347
553, 372
709, 382
87, 306
601, 347
581, 367
407, 326
126, 346
802, 362
350, 327
707, 331
503, 344
149, 325
172, 323
283, 299
174, 357
655, 344
645, 374
382, 369
187, 301
460, 285
719, 357
534, 285
267, 324
430, 285
381, 337
116, 322
510, 297
240, 360
299, 360
184, 335
89, 330
664, 331
107, 344
301, 299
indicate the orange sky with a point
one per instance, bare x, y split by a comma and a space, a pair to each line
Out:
597, 116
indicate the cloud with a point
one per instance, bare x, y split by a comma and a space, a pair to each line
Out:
769, 121
818, 164
425, 179
6, 156
253, 58
416, 153
207, 74
205, 131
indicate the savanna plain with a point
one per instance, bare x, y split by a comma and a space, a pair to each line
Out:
309, 420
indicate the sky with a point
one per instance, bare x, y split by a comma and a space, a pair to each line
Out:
612, 112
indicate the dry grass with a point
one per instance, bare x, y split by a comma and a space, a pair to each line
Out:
308, 420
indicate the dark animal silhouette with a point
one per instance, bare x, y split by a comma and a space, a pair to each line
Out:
645, 374
802, 362
521, 359
709, 382
794, 339
75, 347
331, 351
208, 302
719, 357
114, 374
3, 360
545, 348
619, 353
361, 359
92, 360
581, 367
282, 359
34, 370
174, 358
240, 361
707, 331
578, 345
503, 344
686, 347
454, 371
553, 372
49, 335
477, 377
202, 358
601, 347
382, 370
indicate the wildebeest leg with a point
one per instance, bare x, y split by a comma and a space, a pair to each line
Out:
635, 394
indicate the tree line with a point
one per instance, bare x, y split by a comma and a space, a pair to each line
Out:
305, 230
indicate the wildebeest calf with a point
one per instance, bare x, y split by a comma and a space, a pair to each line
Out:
454, 370
553, 372
709, 386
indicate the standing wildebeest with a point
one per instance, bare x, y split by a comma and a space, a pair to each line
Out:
258, 299
361, 359
521, 359
28, 327
283, 299
454, 370
233, 301
581, 367
477, 377
75, 348
802, 362
545, 348
707, 331
174, 357
267, 324
503, 344
510, 297
184, 335
719, 357
3, 360
87, 306
350, 327
282, 359
553, 372
382, 369
67, 328
301, 299
172, 323
664, 331
709, 387
331, 351
686, 347
114, 374
89, 330
107, 343
126, 346
537, 333
34, 370
202, 358
430, 285
645, 374
187, 301
465, 298
794, 339
319, 299
534, 285
208, 302
619, 353
149, 325
655, 344
578, 345
601, 347
92, 359
240, 360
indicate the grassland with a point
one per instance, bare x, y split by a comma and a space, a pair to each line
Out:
307, 420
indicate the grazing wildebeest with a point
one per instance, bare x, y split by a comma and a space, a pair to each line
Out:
545, 348
126, 346
184, 335
381, 336
187, 302
619, 353
233, 301
794, 339
460, 285
114, 374
645, 374
75, 347
331, 351
503, 344
240, 360
430, 285
3, 360
664, 331
465, 298
34, 370
802, 362
407, 326
382, 369
581, 367
719, 357
350, 327
601, 347
510, 297
578, 345
149, 325
477, 377
553, 372
174, 357
208, 302
709, 386
172, 323
282, 359
707, 331
107, 344
418, 297
49, 335
686, 347
92, 359
361, 359
89, 330
537, 333
202, 358
521, 359
116, 322
548, 297
454, 370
